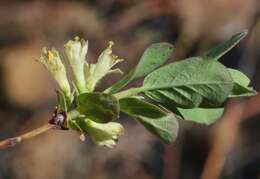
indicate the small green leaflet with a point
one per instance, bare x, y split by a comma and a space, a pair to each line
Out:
190, 83
222, 48
160, 123
153, 57
99, 107
201, 115
241, 82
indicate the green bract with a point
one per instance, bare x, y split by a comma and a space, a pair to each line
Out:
99, 107
193, 89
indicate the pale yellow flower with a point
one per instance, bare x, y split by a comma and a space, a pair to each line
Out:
104, 134
52, 61
76, 51
106, 60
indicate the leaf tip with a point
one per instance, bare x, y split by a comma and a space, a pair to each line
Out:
244, 32
241, 34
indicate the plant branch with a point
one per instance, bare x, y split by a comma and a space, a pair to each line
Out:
10, 142
58, 121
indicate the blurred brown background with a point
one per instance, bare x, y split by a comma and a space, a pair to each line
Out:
229, 149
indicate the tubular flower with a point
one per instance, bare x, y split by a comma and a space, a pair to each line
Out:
52, 61
106, 60
104, 134
76, 51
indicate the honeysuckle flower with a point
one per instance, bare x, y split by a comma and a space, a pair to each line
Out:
76, 51
104, 134
52, 61
106, 60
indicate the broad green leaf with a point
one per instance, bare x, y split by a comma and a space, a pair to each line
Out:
153, 57
162, 124
241, 82
99, 107
222, 48
190, 83
201, 115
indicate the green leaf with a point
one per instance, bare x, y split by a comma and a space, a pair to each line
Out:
99, 107
222, 48
189, 83
162, 124
153, 57
201, 115
241, 82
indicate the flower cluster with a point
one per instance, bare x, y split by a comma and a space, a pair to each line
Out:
85, 77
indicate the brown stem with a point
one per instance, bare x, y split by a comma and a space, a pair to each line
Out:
10, 142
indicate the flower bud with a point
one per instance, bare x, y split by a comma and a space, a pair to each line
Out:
104, 134
76, 51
